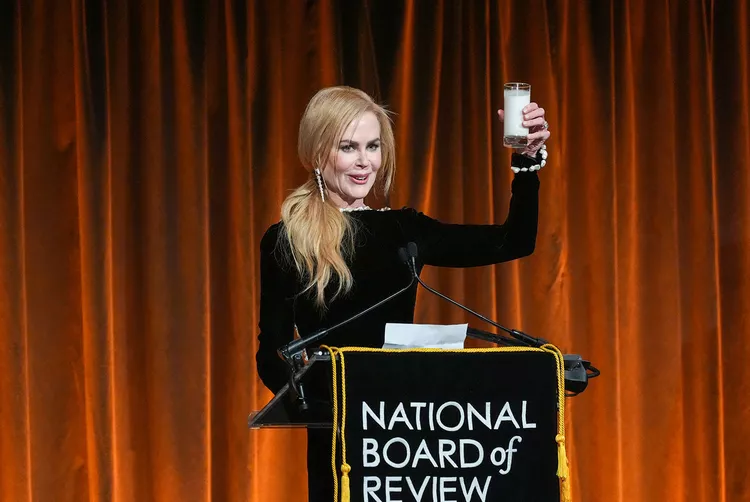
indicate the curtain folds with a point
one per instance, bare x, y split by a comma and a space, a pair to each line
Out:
146, 146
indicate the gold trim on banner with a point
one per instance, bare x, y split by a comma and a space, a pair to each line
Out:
563, 468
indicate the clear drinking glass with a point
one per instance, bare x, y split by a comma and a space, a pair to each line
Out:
517, 96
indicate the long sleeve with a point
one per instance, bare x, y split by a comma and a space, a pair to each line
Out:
454, 245
276, 314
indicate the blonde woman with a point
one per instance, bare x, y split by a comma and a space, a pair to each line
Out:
332, 256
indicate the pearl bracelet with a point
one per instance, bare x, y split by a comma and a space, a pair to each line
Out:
528, 164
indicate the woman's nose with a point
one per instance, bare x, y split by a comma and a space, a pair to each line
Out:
363, 159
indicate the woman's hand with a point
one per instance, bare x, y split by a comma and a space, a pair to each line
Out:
534, 119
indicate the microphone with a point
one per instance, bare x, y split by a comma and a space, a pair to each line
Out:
578, 371
291, 352
518, 335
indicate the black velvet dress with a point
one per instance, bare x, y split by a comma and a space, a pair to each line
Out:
378, 272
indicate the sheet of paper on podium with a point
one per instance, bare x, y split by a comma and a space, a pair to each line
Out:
425, 336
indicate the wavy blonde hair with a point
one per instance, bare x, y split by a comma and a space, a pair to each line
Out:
320, 236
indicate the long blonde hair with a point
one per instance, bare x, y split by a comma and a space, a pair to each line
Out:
320, 236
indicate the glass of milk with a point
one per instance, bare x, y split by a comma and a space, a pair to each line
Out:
517, 96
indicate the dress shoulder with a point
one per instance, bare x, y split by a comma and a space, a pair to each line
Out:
274, 247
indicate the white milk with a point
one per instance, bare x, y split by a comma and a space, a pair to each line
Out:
515, 101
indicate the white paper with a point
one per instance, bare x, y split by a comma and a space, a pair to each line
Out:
425, 336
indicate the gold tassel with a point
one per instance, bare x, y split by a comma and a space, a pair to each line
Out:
345, 470
563, 471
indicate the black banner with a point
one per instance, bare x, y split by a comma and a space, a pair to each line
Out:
451, 426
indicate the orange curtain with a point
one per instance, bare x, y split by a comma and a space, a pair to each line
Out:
146, 146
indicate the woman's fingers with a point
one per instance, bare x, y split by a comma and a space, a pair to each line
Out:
534, 113
534, 122
539, 135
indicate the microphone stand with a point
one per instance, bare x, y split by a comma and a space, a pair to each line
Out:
578, 371
295, 347
292, 352
518, 335
479, 334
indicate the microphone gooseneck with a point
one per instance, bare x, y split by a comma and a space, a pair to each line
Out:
292, 352
518, 335
576, 369
288, 351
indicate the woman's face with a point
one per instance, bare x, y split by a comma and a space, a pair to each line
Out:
350, 174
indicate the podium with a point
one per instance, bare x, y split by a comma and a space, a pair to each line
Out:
434, 425
285, 411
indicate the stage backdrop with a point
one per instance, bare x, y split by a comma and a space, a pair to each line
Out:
145, 146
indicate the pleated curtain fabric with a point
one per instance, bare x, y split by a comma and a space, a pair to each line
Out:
145, 147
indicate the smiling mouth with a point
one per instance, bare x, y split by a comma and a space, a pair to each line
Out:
360, 180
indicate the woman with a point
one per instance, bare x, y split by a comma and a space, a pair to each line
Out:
332, 256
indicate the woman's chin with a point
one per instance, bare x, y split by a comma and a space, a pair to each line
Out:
357, 193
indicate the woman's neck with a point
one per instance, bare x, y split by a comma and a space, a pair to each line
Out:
343, 204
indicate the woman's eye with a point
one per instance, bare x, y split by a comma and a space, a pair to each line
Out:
347, 148
373, 147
